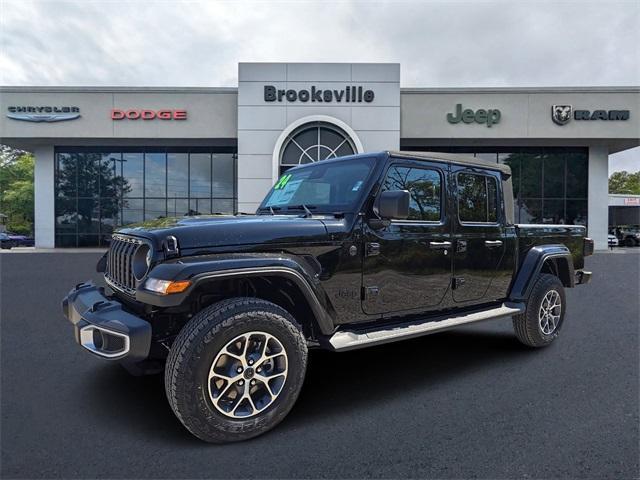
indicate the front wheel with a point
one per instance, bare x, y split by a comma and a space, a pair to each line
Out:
236, 369
540, 323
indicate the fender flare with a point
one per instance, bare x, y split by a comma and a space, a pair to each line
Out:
244, 266
532, 265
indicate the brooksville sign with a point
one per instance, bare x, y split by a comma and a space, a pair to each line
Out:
350, 94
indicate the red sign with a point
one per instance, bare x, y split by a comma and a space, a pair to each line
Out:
145, 114
632, 201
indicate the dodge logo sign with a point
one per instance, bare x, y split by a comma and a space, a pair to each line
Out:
145, 114
561, 114
43, 114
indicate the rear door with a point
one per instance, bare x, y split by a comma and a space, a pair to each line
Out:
407, 264
479, 265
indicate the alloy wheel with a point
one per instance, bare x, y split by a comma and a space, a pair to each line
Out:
549, 313
247, 375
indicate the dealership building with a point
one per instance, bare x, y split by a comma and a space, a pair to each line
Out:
111, 156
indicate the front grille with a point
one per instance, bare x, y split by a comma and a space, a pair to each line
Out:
119, 273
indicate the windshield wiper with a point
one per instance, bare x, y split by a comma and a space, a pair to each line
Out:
270, 209
302, 206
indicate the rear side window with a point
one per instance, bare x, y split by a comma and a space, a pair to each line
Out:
424, 186
477, 198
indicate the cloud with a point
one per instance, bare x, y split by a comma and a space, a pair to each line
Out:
189, 43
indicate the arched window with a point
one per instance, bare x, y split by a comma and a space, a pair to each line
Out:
313, 142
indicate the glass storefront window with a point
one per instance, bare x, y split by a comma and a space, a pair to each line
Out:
155, 174
133, 173
200, 175
100, 189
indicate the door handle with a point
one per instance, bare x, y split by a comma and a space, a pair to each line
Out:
439, 245
492, 243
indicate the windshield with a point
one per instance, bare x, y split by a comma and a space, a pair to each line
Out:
329, 187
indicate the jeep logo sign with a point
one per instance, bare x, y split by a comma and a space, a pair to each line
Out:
488, 117
350, 94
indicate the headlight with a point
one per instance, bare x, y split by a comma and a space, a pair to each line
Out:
166, 287
141, 261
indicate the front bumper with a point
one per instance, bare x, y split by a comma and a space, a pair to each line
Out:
102, 326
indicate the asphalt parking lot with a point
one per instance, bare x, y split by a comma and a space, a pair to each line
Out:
471, 403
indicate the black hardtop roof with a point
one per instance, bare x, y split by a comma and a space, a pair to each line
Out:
452, 158
437, 156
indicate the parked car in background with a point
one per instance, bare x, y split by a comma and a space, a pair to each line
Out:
21, 240
629, 236
6, 242
613, 240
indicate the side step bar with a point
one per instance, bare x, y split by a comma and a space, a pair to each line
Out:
348, 340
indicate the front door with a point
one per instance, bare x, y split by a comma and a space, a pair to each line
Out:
479, 237
407, 264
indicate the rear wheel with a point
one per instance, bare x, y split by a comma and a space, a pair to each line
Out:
236, 369
629, 242
540, 324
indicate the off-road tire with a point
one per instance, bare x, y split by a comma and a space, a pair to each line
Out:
527, 324
194, 350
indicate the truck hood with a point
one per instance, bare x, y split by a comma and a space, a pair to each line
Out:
233, 230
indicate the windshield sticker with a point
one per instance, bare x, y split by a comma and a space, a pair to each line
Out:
357, 186
282, 182
285, 193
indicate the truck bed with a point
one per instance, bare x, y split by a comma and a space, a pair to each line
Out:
530, 235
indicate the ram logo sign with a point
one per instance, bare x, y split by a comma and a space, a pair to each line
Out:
561, 114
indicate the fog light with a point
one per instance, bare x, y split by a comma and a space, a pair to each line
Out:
166, 287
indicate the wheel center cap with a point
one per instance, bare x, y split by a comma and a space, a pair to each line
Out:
249, 373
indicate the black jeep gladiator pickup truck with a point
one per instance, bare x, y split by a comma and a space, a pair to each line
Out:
341, 254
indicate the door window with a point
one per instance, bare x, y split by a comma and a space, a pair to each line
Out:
424, 187
477, 198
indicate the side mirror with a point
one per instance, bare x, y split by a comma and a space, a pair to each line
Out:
393, 204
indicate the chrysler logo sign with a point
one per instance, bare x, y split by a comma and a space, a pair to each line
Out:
43, 113
561, 114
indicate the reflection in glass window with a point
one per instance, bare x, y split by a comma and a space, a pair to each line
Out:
178, 207
577, 174
223, 175
530, 211
424, 188
132, 170
155, 208
200, 175
553, 211
155, 174
473, 198
98, 190
530, 175
132, 211
109, 175
177, 175
554, 180
88, 165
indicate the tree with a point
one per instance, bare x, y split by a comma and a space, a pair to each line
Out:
16, 189
625, 182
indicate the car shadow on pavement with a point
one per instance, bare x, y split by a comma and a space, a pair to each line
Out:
336, 383
342, 383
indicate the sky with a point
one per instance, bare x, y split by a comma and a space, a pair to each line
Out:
438, 44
